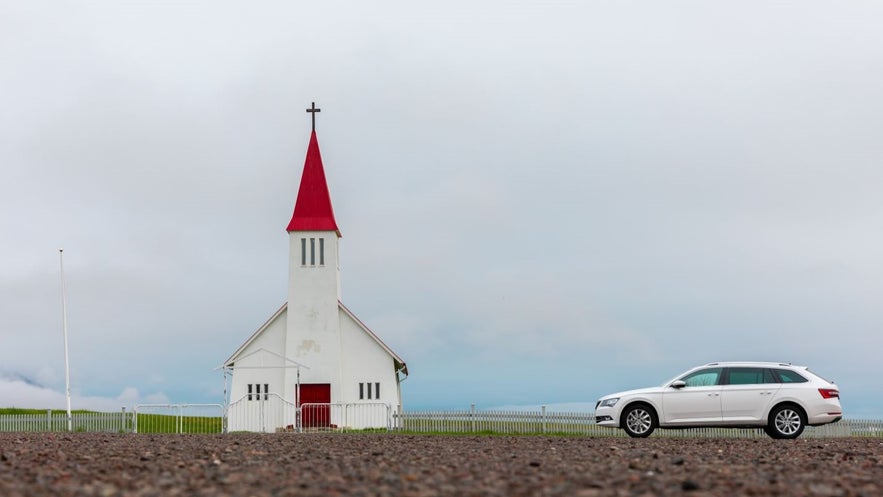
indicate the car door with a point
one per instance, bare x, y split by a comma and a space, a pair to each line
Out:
746, 394
697, 402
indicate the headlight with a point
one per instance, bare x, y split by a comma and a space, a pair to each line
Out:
609, 402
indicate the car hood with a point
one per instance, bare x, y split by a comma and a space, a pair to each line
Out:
638, 391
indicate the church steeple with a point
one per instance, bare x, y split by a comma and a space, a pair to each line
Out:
312, 210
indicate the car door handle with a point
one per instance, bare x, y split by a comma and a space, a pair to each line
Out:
766, 393
714, 395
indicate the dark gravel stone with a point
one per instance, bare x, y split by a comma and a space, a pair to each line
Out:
690, 485
380, 465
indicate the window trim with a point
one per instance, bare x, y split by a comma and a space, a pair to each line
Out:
303, 251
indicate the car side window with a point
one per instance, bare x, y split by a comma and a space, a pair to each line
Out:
788, 376
748, 376
703, 377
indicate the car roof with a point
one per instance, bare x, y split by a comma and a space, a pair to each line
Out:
761, 364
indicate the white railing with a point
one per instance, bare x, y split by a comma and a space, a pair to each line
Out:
263, 413
345, 417
269, 412
178, 418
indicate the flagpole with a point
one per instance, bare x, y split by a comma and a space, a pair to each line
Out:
67, 369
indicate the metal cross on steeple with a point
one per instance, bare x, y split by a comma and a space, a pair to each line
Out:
312, 110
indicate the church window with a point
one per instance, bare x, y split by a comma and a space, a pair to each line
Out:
312, 252
367, 388
254, 391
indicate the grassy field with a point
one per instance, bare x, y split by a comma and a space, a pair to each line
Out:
16, 410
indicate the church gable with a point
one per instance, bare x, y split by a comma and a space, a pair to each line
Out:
356, 333
270, 336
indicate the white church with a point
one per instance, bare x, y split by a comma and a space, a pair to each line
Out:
313, 364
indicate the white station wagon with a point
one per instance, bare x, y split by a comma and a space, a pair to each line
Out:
780, 398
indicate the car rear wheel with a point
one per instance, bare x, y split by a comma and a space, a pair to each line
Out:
786, 421
638, 421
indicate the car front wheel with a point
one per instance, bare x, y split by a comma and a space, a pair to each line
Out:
786, 421
638, 421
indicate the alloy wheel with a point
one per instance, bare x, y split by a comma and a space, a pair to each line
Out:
639, 421
788, 422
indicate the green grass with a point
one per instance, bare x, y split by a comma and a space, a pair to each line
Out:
16, 410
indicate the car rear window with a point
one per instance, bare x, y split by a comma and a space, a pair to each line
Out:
788, 376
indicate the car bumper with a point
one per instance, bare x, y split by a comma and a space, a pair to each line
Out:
824, 418
830, 412
606, 416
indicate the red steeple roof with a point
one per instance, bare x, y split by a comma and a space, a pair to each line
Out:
313, 211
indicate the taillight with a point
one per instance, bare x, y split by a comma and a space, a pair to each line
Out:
829, 393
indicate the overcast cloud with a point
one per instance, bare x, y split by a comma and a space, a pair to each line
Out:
540, 202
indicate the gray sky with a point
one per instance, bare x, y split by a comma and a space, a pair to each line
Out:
541, 202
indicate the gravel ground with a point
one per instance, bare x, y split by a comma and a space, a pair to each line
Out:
95, 464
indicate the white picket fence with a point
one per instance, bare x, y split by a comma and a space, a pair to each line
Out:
116, 422
576, 423
280, 416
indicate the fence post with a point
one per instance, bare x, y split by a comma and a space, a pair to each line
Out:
261, 411
472, 418
48, 419
543, 417
123, 421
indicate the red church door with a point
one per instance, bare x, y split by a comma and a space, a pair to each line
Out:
312, 415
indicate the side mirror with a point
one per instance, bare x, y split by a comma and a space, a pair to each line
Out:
678, 384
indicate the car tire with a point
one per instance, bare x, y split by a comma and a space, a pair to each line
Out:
639, 420
786, 421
